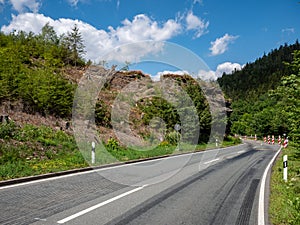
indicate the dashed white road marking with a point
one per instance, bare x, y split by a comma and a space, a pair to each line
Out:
85, 211
212, 161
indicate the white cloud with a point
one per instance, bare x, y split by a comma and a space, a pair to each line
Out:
25, 5
143, 28
2, 1
99, 42
207, 75
220, 45
227, 67
195, 23
159, 74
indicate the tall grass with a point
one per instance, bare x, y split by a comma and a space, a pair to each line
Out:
285, 196
31, 150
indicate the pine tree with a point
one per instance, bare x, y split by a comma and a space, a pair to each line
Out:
48, 34
74, 43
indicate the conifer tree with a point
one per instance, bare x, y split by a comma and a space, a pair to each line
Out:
74, 43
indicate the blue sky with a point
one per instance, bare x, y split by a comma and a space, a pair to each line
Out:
225, 34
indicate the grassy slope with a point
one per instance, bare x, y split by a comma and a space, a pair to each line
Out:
285, 196
31, 150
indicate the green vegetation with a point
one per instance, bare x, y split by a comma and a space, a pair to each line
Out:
164, 148
31, 70
31, 150
270, 110
285, 196
159, 107
34, 150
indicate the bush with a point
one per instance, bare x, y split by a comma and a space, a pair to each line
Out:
112, 144
8, 130
173, 137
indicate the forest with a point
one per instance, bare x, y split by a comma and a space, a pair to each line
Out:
265, 94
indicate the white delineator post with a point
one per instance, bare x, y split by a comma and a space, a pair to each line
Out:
93, 153
285, 168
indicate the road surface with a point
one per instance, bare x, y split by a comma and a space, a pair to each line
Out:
214, 187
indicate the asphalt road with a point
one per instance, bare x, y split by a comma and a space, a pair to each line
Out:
215, 187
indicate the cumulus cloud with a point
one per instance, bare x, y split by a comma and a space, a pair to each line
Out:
25, 5
220, 45
227, 67
99, 42
143, 28
195, 23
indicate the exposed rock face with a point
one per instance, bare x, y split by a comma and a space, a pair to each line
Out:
106, 85
122, 78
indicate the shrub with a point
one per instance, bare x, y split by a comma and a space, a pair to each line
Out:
112, 144
8, 130
173, 137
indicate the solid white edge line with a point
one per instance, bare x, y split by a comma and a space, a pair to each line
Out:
99, 205
261, 204
108, 168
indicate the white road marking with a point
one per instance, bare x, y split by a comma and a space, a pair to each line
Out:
109, 168
99, 205
233, 155
212, 161
261, 203
39, 219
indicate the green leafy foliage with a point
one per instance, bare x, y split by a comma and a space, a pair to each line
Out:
276, 112
31, 150
272, 109
112, 144
285, 196
102, 114
159, 107
31, 70
7, 130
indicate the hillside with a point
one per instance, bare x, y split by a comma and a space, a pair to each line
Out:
265, 94
39, 75
257, 78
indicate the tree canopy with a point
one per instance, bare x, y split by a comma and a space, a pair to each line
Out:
31, 69
267, 99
